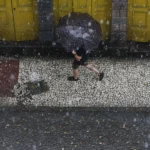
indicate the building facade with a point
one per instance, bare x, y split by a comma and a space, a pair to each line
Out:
120, 20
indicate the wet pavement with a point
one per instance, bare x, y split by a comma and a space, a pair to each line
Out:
74, 130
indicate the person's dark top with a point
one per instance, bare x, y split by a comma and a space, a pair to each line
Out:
81, 52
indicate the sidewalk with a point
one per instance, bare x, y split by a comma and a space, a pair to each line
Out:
126, 83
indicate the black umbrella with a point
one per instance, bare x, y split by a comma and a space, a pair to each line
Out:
78, 29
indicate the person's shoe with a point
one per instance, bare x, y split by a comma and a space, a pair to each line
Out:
101, 75
72, 79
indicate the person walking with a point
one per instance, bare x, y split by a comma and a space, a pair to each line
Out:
80, 59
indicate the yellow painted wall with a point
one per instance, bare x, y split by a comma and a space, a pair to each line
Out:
18, 20
139, 20
6, 21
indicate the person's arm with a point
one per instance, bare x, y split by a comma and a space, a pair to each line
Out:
78, 58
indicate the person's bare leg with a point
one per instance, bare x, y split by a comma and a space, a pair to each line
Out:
75, 73
92, 68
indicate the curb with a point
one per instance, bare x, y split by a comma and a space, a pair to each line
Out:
76, 109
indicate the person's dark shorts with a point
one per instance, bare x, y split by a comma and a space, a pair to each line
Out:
76, 64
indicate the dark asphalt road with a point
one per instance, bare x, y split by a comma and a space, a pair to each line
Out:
70, 130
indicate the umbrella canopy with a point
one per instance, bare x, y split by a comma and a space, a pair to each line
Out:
78, 29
